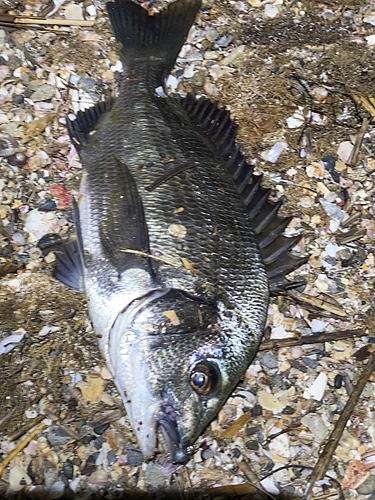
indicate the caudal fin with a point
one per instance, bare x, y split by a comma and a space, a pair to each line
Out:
155, 38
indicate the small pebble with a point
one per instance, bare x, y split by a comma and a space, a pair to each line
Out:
7, 251
47, 205
252, 445
51, 474
269, 360
99, 477
345, 151
87, 84
206, 454
35, 253
57, 437
134, 456
332, 209
154, 475
330, 164
317, 389
311, 363
18, 478
271, 11
101, 429
368, 487
273, 154
224, 41
89, 467
19, 99
49, 241
99, 442
44, 92
18, 239
212, 34
88, 439
56, 491
288, 410
111, 457
68, 470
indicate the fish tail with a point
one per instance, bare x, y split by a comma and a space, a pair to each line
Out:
151, 40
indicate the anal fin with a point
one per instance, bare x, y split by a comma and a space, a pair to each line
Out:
86, 121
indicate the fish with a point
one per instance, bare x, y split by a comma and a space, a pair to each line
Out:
177, 245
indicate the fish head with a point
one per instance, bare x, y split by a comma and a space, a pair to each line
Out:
174, 367
194, 387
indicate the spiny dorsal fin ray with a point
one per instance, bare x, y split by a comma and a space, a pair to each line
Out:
268, 225
86, 121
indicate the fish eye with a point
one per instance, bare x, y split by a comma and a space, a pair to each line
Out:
203, 378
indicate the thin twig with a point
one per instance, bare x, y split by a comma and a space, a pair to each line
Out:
316, 338
8, 18
237, 425
328, 495
28, 27
350, 236
25, 428
358, 142
4, 419
360, 99
283, 431
326, 456
149, 256
4, 464
252, 477
316, 302
350, 220
111, 417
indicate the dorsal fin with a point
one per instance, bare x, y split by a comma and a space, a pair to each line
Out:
267, 224
85, 122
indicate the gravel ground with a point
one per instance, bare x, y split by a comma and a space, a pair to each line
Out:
298, 77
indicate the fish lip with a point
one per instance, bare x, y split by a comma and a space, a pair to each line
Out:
167, 419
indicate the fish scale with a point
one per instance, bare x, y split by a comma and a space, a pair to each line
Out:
179, 318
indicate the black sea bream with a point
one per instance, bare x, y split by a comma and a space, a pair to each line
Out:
177, 244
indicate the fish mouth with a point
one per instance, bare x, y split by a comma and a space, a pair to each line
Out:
167, 420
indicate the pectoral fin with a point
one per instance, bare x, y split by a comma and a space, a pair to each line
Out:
124, 228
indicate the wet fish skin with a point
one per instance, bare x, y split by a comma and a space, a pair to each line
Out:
132, 261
